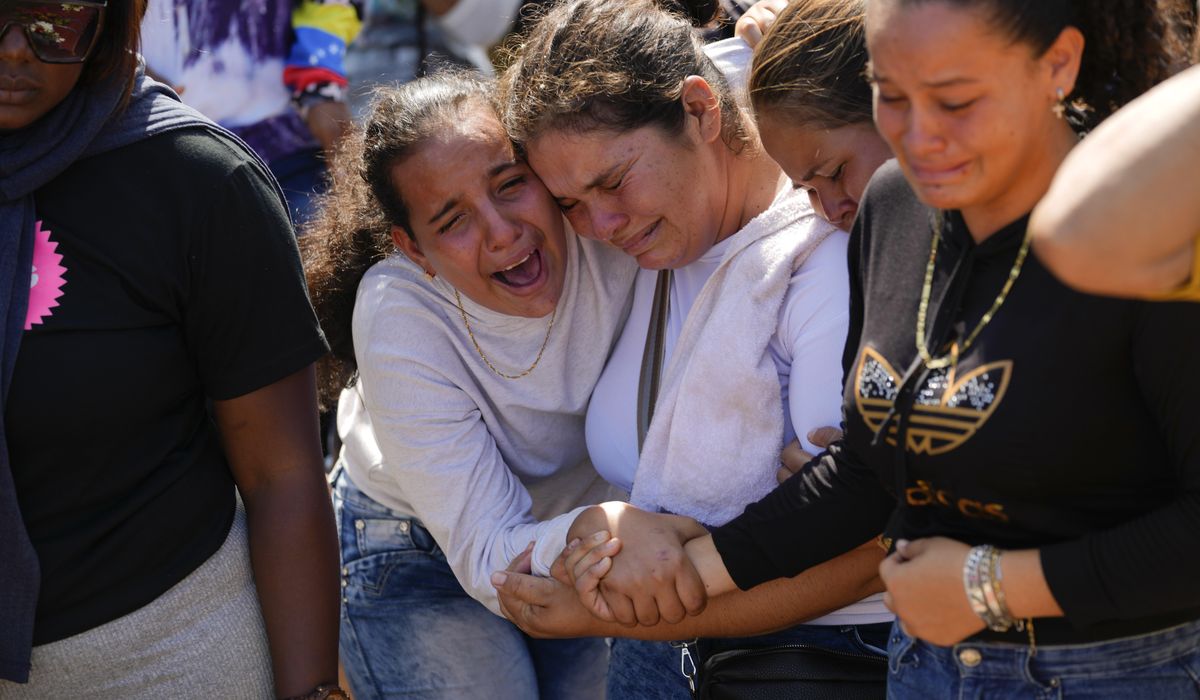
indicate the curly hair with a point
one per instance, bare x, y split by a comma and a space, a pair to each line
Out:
810, 66
1130, 45
587, 65
352, 229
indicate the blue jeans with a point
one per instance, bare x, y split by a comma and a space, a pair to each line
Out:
1162, 665
642, 670
409, 630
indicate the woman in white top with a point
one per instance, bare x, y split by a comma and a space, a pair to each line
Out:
477, 328
636, 133
477, 334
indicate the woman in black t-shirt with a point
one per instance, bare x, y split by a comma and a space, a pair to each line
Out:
150, 280
1031, 449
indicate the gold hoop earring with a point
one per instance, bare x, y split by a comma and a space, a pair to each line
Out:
1060, 107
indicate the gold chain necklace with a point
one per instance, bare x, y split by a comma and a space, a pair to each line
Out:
926, 292
482, 356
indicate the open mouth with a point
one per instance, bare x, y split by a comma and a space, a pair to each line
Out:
524, 273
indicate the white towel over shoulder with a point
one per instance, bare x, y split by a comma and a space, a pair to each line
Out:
713, 445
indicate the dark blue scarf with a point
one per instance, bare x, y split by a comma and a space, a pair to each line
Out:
87, 123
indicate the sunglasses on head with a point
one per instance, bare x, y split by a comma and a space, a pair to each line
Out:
57, 31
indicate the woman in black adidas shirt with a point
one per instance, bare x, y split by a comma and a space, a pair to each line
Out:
987, 404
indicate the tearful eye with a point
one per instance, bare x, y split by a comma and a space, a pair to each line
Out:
513, 182
957, 107
451, 224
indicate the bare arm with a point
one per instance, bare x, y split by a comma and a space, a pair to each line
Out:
549, 608
328, 121
1123, 212
272, 442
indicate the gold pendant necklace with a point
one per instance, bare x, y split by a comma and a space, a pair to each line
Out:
482, 356
927, 289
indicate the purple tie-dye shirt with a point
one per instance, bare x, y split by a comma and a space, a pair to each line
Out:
228, 56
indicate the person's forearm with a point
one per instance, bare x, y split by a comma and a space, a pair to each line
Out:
1025, 587
490, 546
707, 561
1121, 216
832, 506
1143, 568
777, 604
294, 554
591, 520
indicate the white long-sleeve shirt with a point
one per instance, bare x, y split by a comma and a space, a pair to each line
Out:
487, 464
806, 349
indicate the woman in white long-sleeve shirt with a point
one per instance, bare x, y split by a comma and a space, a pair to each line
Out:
635, 130
477, 344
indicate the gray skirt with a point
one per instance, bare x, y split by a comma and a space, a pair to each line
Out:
202, 638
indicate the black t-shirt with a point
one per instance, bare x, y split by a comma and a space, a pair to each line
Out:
1070, 425
179, 282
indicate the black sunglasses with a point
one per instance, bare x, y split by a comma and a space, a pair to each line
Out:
57, 31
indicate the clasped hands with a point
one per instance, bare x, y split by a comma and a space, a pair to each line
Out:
592, 590
654, 579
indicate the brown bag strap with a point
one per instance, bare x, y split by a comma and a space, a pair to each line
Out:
650, 378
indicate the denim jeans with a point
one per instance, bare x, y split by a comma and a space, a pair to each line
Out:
642, 670
409, 630
1163, 665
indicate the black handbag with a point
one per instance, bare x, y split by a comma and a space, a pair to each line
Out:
792, 672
